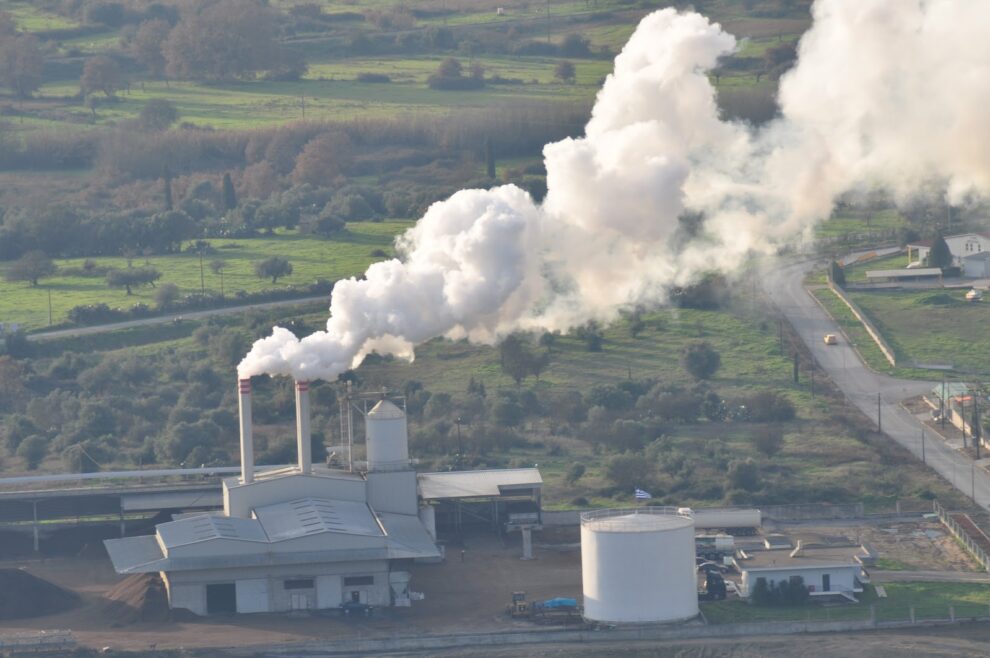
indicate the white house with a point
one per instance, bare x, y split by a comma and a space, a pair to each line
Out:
826, 571
961, 246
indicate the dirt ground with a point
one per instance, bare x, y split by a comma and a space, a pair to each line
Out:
471, 595
922, 545
468, 595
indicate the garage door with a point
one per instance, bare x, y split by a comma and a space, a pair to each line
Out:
252, 595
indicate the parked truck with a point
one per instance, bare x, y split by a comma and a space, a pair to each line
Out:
559, 610
736, 521
714, 547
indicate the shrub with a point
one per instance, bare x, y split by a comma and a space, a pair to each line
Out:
768, 406
701, 360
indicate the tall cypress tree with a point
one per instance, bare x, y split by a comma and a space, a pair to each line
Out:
167, 186
489, 157
229, 195
940, 255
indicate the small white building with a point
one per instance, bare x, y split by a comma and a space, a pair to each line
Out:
960, 246
826, 571
976, 266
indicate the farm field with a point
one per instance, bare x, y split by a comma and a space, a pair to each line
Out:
329, 89
932, 327
312, 258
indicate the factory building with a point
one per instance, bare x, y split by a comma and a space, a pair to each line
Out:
303, 537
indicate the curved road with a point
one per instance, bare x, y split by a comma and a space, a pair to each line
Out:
860, 385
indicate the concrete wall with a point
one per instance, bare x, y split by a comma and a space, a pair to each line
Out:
393, 491
189, 595
887, 350
262, 589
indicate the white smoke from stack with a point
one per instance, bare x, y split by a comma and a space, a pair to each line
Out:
886, 92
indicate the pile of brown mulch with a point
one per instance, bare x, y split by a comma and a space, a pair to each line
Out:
23, 595
139, 597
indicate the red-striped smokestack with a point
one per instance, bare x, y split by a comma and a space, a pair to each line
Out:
247, 440
303, 436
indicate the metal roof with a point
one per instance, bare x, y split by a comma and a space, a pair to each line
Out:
407, 538
135, 554
385, 410
811, 557
980, 255
903, 274
310, 516
477, 484
205, 527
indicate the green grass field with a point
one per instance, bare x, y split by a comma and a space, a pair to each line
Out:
930, 601
29, 18
311, 258
932, 327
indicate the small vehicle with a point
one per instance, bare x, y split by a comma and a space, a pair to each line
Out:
711, 567
974, 295
831, 339
714, 590
355, 608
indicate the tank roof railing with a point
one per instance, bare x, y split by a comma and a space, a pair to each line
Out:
602, 515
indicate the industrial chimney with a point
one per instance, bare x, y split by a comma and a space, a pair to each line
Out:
247, 440
304, 449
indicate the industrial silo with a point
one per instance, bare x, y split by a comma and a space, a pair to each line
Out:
638, 565
386, 437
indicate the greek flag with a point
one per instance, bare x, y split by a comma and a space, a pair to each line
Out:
642, 495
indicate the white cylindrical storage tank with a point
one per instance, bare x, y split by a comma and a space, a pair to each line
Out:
638, 565
386, 439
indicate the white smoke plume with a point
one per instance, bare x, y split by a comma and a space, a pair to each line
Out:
885, 93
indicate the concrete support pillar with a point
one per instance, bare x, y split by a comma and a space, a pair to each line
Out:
911, 612
247, 437
123, 529
35, 530
527, 542
952, 613
304, 443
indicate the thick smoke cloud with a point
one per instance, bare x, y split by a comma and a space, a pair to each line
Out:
885, 93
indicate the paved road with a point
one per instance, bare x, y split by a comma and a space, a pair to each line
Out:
862, 385
165, 319
877, 576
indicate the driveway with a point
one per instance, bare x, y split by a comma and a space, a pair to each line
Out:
861, 386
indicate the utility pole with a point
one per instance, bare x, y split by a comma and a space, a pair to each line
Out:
879, 422
812, 378
49, 306
797, 362
780, 334
202, 279
923, 460
942, 399
972, 480
460, 447
548, 21
974, 426
962, 416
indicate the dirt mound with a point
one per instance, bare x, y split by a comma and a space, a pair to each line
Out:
23, 595
140, 597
